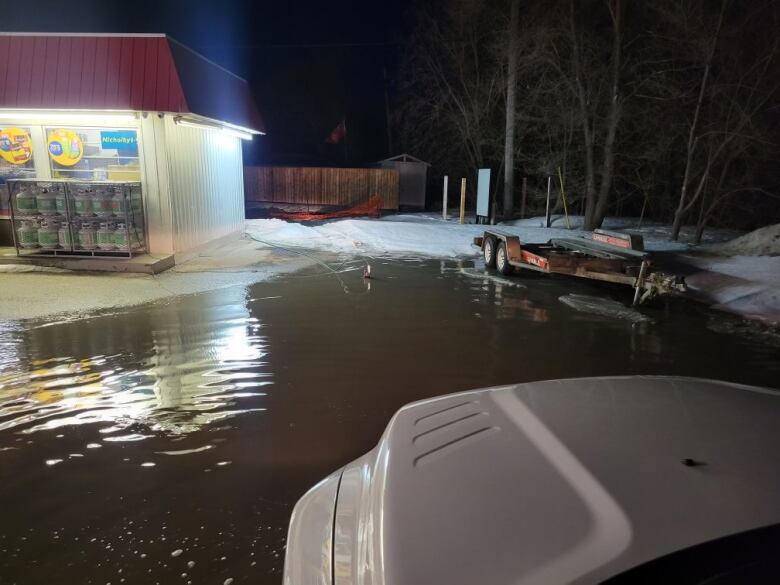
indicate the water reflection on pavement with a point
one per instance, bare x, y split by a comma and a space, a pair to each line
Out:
169, 442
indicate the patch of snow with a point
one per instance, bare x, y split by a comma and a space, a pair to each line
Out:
759, 269
388, 236
25, 268
761, 242
747, 285
427, 234
30, 292
603, 307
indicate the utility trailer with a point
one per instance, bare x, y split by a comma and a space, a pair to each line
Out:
605, 255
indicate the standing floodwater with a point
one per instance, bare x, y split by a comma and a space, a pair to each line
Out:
168, 443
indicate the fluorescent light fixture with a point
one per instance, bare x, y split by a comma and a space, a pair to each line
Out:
242, 133
62, 116
229, 126
237, 133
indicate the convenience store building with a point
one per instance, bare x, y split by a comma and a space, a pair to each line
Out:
84, 108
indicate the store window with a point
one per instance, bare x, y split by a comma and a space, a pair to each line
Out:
96, 154
16, 159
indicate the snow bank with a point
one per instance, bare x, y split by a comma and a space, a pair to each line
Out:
427, 234
384, 237
761, 242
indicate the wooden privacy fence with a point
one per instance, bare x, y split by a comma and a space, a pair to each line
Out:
320, 185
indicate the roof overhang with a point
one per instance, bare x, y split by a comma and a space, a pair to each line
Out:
87, 73
225, 127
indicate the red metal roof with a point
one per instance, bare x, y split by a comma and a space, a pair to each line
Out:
110, 72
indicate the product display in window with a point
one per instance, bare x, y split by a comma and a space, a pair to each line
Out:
61, 217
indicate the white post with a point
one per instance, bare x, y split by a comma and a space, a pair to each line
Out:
463, 200
444, 200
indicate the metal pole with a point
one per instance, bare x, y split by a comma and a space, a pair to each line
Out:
444, 199
639, 282
71, 233
463, 200
563, 197
126, 202
13, 217
547, 211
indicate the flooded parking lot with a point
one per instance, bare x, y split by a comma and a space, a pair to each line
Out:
167, 443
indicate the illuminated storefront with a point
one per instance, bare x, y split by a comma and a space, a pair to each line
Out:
92, 114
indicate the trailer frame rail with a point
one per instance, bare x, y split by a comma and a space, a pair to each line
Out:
608, 257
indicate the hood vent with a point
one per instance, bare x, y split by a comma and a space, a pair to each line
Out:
443, 431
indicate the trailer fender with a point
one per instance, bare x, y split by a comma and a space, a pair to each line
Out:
514, 249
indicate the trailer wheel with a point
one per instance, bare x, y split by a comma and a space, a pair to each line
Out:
502, 260
489, 251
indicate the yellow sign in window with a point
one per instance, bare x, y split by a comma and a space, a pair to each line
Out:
65, 147
15, 146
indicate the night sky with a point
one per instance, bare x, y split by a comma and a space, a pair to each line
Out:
309, 63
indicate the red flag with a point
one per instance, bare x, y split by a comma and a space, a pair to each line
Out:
339, 133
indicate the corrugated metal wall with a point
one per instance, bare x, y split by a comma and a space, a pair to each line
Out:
321, 185
156, 187
206, 184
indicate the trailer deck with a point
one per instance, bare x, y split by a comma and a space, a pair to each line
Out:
606, 256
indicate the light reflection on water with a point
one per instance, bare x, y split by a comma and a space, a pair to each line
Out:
198, 369
168, 465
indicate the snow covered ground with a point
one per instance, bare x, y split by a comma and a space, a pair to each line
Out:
761, 242
30, 292
428, 234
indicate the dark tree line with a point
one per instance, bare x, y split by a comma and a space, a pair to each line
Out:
667, 108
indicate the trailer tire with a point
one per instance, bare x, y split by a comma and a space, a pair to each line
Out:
489, 251
502, 260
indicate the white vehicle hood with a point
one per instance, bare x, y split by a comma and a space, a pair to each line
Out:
568, 481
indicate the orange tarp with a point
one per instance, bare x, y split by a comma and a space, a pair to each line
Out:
370, 208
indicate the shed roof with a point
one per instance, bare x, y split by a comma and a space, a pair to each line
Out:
120, 72
404, 158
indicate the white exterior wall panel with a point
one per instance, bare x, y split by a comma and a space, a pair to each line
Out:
156, 191
205, 177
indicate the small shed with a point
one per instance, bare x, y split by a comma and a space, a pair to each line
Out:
413, 177
81, 109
